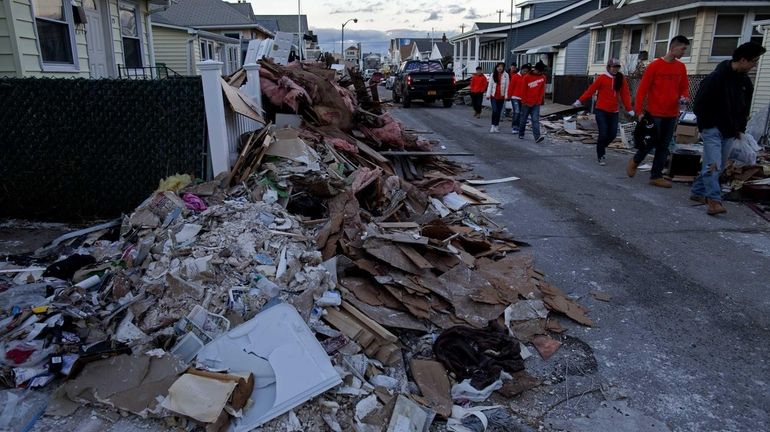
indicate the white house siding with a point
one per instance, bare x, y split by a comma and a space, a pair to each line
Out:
762, 83
7, 62
171, 49
560, 62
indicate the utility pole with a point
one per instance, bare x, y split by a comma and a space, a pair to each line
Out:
462, 28
499, 15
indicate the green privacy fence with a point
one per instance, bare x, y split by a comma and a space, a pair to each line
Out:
78, 149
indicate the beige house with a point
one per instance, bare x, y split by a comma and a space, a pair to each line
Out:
181, 48
715, 29
81, 38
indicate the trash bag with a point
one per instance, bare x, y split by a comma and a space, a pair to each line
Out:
744, 149
645, 132
758, 124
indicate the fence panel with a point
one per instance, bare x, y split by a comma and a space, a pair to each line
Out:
77, 149
567, 88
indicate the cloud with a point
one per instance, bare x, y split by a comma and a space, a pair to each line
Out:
455, 9
434, 16
472, 14
370, 8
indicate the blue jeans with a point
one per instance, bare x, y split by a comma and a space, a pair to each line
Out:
608, 130
515, 113
497, 110
665, 126
532, 112
716, 150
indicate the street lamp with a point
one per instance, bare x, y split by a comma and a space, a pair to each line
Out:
342, 42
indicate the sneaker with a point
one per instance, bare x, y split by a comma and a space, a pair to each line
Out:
631, 168
521, 136
515, 131
698, 199
539, 140
603, 161
661, 182
715, 207
492, 129
497, 129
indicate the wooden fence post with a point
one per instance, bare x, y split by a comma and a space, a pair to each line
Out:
211, 74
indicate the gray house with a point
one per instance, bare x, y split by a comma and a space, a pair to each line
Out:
489, 43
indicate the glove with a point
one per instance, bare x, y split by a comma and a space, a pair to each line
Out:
631, 113
577, 104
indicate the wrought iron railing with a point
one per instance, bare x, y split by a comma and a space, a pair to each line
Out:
146, 72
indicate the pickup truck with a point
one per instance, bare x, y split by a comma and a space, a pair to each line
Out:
426, 80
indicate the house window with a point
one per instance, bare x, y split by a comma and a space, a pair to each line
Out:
601, 46
233, 35
207, 50
129, 30
662, 31
54, 32
755, 35
636, 41
727, 35
687, 28
526, 13
615, 42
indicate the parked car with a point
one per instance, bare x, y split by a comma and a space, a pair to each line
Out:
426, 80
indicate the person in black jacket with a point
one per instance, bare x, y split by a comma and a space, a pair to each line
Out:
722, 106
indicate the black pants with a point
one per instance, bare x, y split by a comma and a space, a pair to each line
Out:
476, 99
665, 127
608, 130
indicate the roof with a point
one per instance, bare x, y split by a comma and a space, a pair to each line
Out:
486, 25
445, 48
269, 24
286, 23
559, 35
198, 13
615, 15
243, 7
406, 51
424, 44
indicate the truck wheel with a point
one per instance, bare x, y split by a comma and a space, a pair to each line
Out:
407, 102
448, 103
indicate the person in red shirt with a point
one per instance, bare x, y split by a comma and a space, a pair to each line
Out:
513, 87
664, 86
478, 87
531, 98
611, 88
496, 93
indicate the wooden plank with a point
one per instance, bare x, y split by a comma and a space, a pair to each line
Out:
424, 153
478, 195
404, 238
368, 322
398, 225
418, 259
371, 152
492, 181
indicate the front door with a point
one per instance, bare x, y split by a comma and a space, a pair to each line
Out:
98, 55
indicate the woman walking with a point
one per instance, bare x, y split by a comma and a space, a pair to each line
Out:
497, 91
612, 88
478, 87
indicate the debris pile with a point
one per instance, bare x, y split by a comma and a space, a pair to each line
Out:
329, 261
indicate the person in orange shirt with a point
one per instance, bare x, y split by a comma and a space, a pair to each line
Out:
664, 87
531, 98
478, 87
611, 87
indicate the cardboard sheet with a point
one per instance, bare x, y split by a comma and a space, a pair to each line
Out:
199, 397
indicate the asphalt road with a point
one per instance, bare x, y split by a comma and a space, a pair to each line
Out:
686, 335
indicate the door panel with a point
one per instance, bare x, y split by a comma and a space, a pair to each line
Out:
95, 37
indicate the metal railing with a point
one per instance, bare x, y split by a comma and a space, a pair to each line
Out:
146, 72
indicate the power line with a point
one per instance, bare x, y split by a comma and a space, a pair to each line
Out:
499, 15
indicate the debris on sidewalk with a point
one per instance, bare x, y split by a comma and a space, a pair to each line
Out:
324, 280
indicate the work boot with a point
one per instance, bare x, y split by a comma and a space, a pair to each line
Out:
714, 207
698, 199
661, 182
631, 167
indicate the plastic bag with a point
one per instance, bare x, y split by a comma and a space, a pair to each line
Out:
645, 132
20, 409
744, 149
757, 124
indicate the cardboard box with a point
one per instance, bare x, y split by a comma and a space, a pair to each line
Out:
686, 134
684, 164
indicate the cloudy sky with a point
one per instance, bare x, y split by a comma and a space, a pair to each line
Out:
381, 20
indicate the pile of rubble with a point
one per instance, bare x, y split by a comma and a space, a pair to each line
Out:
342, 274
582, 128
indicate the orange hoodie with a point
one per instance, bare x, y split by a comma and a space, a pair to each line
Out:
663, 83
608, 97
514, 87
478, 83
534, 89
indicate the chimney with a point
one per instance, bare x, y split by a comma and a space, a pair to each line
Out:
443, 38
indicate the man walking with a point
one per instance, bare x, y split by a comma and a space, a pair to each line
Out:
531, 99
722, 106
478, 87
664, 86
515, 90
